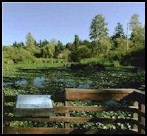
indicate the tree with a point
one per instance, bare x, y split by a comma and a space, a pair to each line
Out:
120, 49
58, 49
76, 41
43, 43
118, 36
48, 51
81, 52
119, 32
98, 28
65, 54
137, 34
85, 42
69, 46
105, 46
18, 45
21, 44
30, 41
14, 44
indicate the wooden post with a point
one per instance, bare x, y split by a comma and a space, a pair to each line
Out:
135, 115
141, 119
67, 114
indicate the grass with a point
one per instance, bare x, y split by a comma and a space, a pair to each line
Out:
102, 61
12, 69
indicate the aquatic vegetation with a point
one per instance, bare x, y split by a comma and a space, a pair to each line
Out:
52, 78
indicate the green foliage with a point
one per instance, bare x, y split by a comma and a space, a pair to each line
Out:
119, 49
98, 28
65, 54
99, 33
7, 48
134, 22
76, 41
17, 54
105, 49
119, 32
30, 41
98, 60
43, 43
86, 43
58, 49
31, 44
70, 46
105, 46
135, 58
18, 45
81, 52
138, 33
89, 61
116, 63
48, 51
37, 52
7, 61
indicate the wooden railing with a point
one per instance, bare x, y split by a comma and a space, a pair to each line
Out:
134, 102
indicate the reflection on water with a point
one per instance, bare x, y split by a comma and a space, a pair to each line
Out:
85, 85
7, 83
21, 82
51, 79
38, 81
54, 81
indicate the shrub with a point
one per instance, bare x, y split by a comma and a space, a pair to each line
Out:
98, 60
82, 52
7, 61
65, 55
17, 55
116, 63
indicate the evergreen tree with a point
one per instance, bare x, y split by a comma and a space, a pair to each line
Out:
118, 36
76, 41
14, 44
119, 32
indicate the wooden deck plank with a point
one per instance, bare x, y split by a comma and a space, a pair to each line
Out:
64, 131
96, 94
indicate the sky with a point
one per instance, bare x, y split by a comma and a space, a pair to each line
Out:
62, 20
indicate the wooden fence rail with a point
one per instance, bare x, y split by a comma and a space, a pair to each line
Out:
134, 100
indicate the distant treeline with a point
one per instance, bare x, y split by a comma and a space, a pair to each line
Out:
121, 48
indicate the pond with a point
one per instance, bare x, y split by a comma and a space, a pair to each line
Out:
54, 80
39, 82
